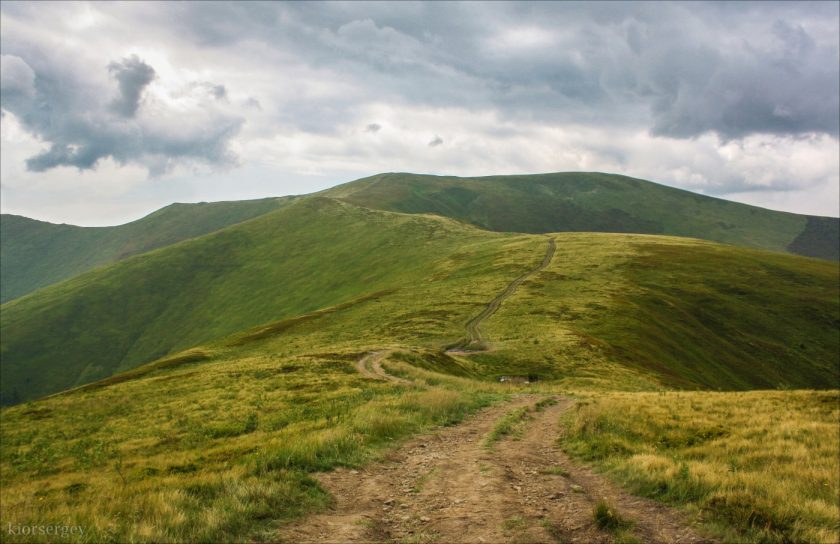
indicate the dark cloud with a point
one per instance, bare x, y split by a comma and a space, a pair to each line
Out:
679, 70
676, 72
63, 107
214, 90
133, 76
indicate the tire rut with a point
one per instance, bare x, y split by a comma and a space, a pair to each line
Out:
475, 340
370, 366
449, 487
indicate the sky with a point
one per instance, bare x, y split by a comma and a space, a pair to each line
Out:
113, 110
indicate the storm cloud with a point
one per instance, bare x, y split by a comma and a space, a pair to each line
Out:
133, 75
68, 111
727, 98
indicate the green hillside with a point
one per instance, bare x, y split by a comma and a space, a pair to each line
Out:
311, 254
594, 202
260, 327
34, 254
694, 314
677, 312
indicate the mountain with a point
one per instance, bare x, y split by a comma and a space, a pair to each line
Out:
594, 202
308, 255
34, 254
660, 310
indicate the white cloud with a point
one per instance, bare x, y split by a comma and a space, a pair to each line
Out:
738, 98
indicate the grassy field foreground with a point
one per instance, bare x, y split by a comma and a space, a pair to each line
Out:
178, 455
759, 466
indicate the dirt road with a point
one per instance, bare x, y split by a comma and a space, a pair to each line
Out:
451, 487
474, 340
371, 366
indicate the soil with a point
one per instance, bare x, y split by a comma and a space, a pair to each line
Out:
371, 366
451, 487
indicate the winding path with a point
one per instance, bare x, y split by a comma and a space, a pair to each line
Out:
451, 487
370, 366
474, 340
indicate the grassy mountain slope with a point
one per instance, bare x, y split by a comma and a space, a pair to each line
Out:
676, 311
34, 254
760, 465
309, 255
234, 428
594, 202
695, 314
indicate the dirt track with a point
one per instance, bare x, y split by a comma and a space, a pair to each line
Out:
449, 487
371, 366
474, 340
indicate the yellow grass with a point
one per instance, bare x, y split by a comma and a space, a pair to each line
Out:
758, 466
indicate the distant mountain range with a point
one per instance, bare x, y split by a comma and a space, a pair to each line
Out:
595, 202
35, 253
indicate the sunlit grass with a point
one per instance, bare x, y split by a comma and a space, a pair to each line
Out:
209, 462
756, 466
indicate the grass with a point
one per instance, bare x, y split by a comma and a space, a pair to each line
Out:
642, 311
691, 314
511, 424
516, 523
508, 425
555, 471
755, 466
34, 254
210, 463
593, 202
158, 303
608, 518
256, 390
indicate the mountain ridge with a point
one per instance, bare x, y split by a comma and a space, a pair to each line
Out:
595, 202
35, 253
320, 252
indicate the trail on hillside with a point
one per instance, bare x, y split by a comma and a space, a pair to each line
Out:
450, 487
370, 366
474, 340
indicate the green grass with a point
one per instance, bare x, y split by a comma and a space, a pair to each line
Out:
594, 202
675, 312
516, 523
210, 462
756, 466
511, 424
556, 471
637, 311
244, 276
608, 518
34, 254
508, 425
691, 313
